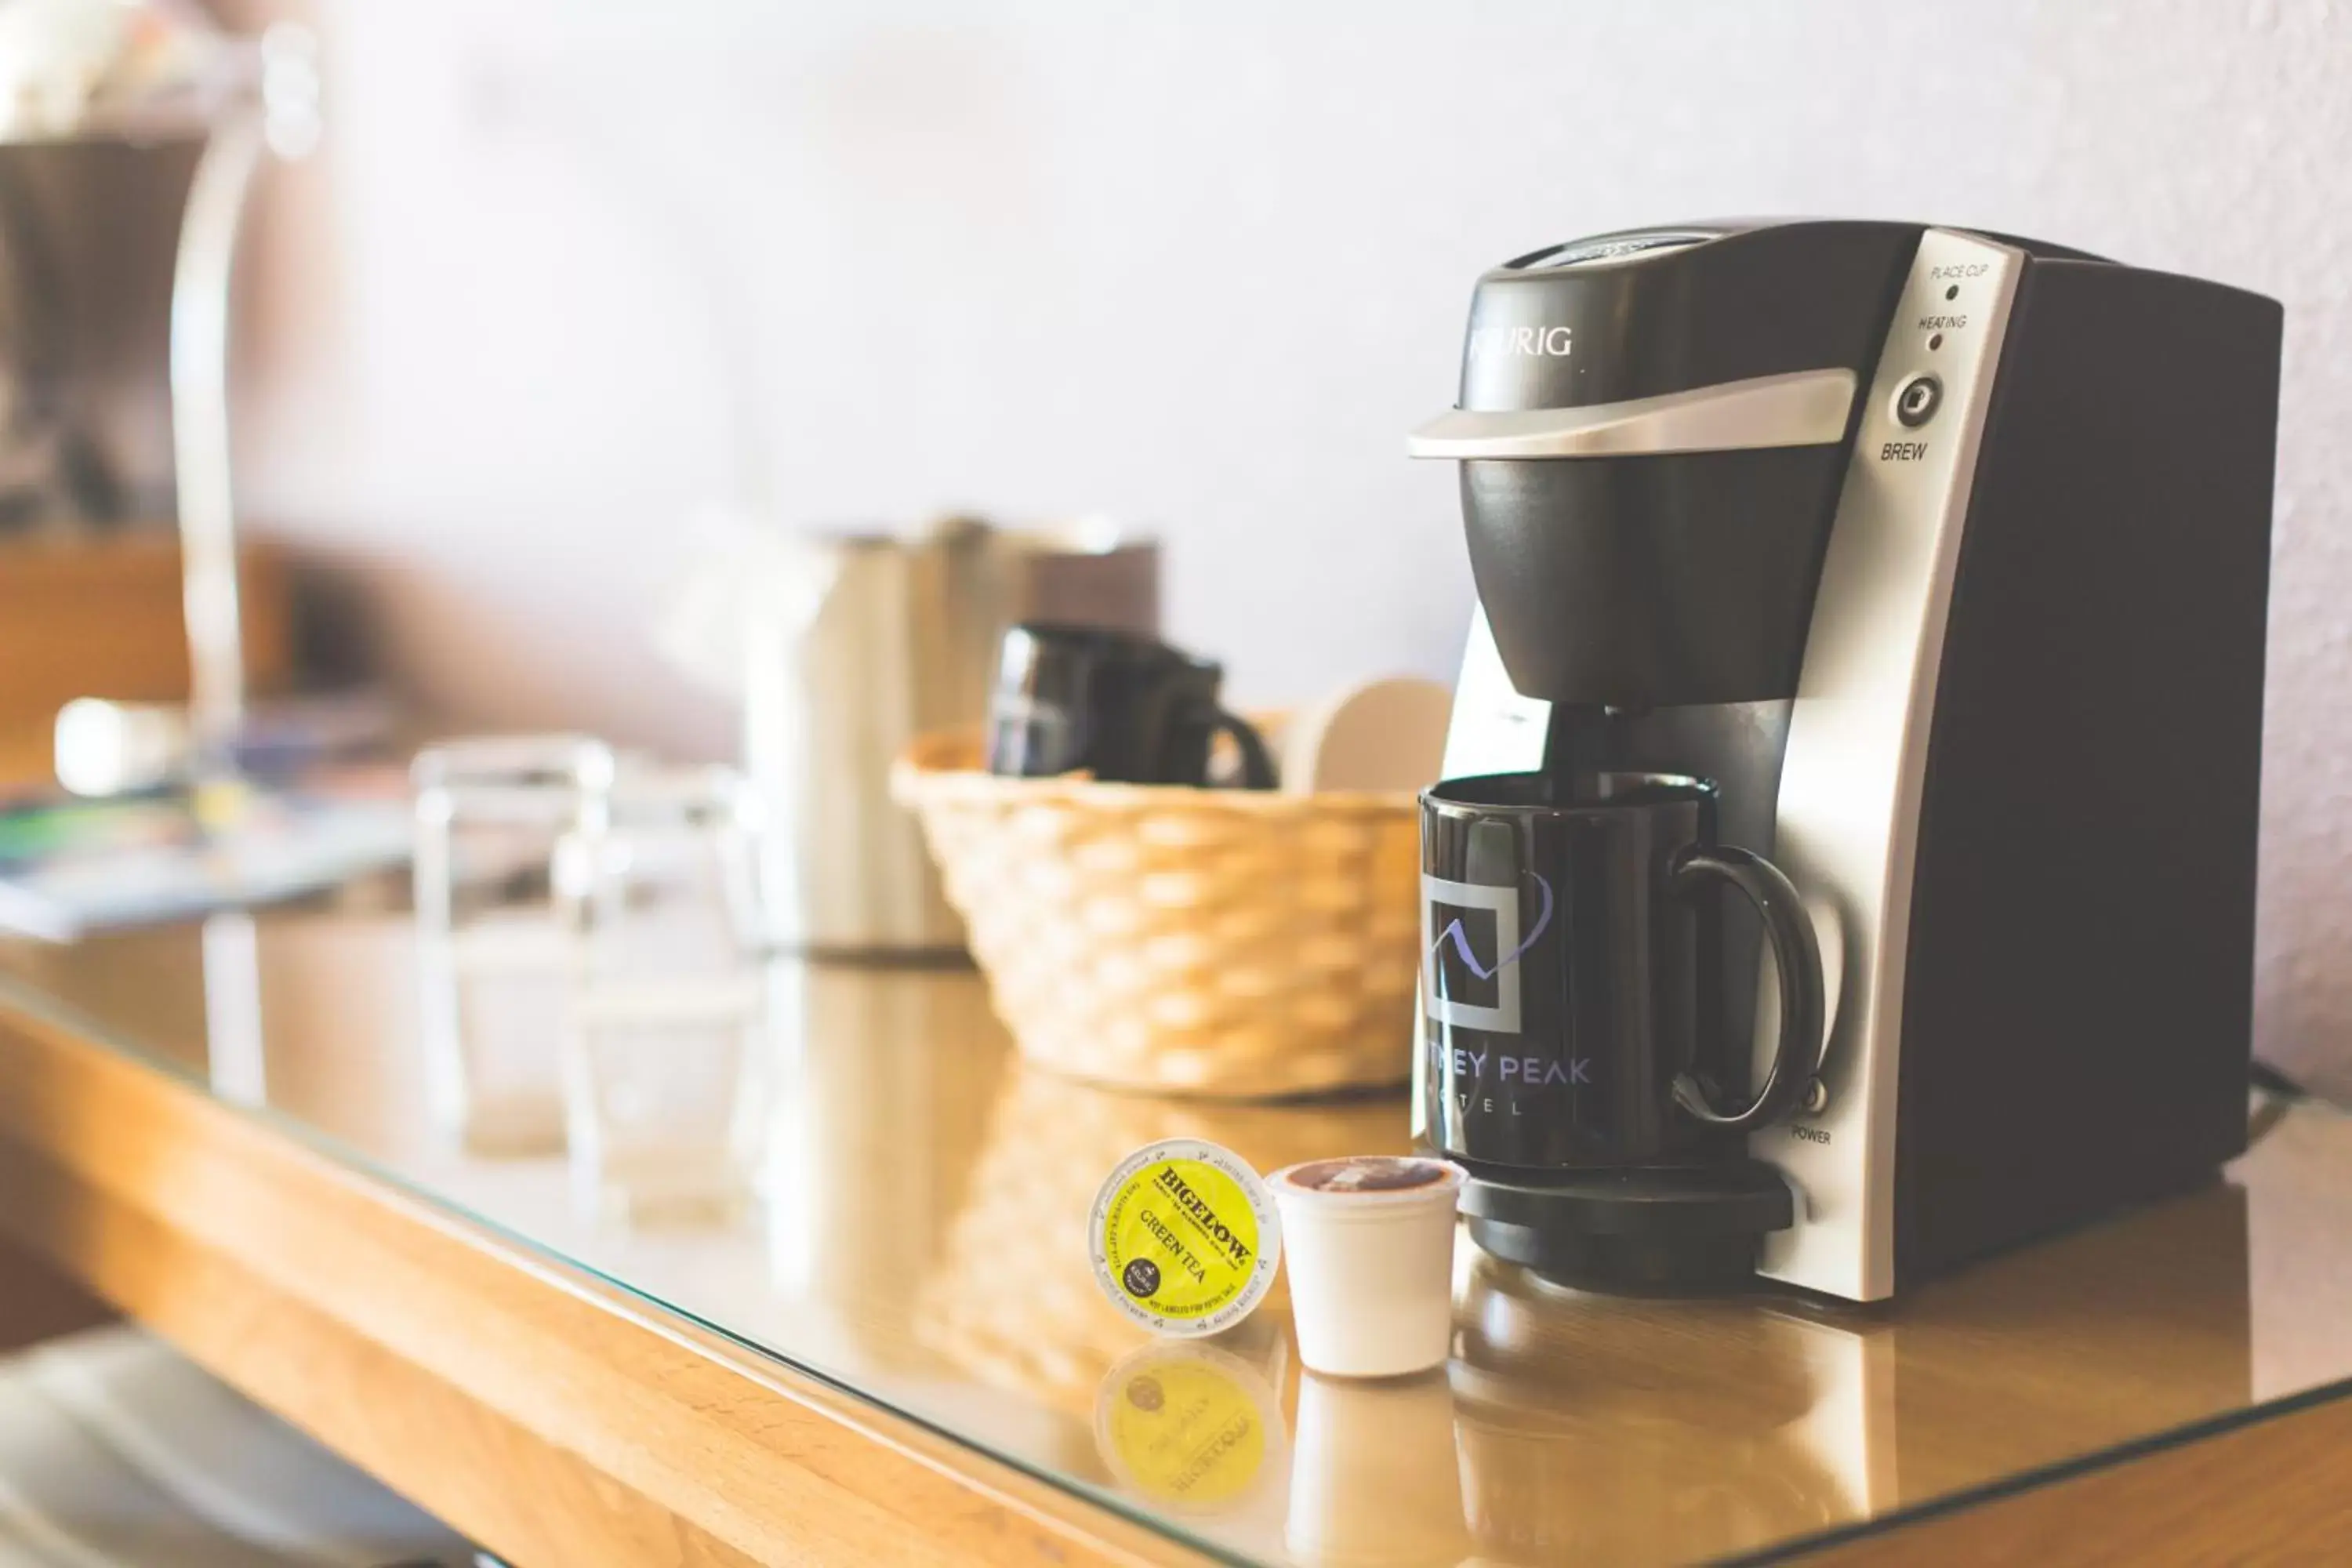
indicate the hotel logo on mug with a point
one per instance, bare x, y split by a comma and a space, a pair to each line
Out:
1471, 949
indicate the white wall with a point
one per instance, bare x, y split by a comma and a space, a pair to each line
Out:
1200, 267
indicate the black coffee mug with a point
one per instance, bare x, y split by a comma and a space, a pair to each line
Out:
1570, 977
1121, 707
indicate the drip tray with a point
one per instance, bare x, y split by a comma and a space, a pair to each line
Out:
1663, 1229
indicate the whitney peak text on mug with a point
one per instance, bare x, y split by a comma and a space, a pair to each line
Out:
1471, 979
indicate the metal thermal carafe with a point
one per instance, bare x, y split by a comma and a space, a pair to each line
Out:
1943, 556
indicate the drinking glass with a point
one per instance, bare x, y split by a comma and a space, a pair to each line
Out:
665, 1051
496, 955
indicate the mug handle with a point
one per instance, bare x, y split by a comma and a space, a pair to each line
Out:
1796, 954
1258, 771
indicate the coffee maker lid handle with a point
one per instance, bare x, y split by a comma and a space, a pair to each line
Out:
1800, 408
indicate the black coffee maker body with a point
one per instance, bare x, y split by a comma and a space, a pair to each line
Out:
1943, 555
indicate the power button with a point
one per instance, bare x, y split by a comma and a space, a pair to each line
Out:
1918, 401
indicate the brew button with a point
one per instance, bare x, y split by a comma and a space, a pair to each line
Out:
1918, 402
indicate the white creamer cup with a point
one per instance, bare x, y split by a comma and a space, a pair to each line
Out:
1370, 1256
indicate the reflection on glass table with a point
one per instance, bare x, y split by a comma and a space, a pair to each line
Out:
917, 1237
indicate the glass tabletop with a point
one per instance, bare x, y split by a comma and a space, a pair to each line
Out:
917, 1240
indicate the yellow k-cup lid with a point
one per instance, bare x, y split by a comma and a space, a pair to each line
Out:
1184, 1236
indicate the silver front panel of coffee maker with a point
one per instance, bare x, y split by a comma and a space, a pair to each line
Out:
1845, 827
1493, 728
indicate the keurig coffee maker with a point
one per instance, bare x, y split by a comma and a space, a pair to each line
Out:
1932, 566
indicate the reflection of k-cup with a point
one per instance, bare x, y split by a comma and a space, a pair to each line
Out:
1192, 1428
1374, 1479
1370, 1242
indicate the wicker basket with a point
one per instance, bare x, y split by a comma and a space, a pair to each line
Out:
1242, 944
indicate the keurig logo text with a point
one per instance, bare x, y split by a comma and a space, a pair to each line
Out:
1549, 342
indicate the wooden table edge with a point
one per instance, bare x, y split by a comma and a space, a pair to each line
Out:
544, 1412
2272, 1483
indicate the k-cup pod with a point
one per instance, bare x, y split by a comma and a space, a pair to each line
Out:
1184, 1237
1370, 1240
